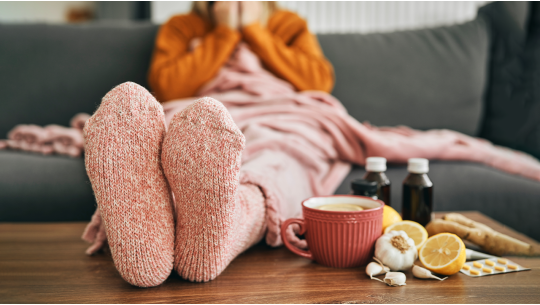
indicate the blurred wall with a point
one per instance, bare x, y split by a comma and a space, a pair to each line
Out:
357, 16
40, 11
75, 11
163, 10
322, 16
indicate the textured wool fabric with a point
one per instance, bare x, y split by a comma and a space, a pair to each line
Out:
123, 147
66, 140
50, 139
313, 131
95, 234
216, 217
79, 120
28, 138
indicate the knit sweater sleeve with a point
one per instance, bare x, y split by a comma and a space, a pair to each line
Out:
290, 51
178, 72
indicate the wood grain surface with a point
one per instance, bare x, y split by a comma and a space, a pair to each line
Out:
45, 263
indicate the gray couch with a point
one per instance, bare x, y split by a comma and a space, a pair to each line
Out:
443, 77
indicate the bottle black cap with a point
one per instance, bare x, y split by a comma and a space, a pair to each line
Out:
364, 188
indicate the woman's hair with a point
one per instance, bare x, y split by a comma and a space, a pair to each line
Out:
202, 8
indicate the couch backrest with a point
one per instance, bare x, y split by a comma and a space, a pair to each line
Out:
429, 78
432, 78
48, 73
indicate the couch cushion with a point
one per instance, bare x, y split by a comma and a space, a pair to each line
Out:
48, 73
429, 78
461, 186
513, 100
44, 188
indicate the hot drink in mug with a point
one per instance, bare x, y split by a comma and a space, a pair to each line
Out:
340, 230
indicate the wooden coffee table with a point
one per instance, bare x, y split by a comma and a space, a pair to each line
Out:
45, 263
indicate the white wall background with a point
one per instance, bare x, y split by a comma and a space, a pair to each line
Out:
357, 16
163, 10
322, 16
39, 11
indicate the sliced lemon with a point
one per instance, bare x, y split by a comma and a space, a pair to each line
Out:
390, 216
443, 253
413, 229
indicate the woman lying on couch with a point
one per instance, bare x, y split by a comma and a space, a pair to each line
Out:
216, 216
239, 167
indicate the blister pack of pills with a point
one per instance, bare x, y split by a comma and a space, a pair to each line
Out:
490, 266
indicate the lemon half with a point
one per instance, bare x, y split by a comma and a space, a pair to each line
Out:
443, 253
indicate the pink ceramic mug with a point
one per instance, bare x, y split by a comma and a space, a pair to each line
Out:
339, 239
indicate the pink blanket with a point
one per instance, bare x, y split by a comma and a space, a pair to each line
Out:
302, 144
49, 139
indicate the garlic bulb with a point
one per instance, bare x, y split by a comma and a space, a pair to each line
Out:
395, 279
423, 273
396, 250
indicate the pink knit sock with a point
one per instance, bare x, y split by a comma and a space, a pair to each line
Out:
123, 160
217, 218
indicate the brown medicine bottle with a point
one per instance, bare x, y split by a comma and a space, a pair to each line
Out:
375, 168
362, 187
417, 192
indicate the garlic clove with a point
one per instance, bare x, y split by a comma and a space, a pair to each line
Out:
423, 273
374, 269
395, 279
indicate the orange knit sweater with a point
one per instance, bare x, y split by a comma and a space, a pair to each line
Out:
285, 47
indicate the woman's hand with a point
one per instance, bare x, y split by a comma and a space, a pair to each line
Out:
250, 12
227, 13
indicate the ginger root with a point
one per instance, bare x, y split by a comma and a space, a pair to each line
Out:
490, 240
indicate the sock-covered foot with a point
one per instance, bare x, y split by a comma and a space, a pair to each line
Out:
216, 218
123, 159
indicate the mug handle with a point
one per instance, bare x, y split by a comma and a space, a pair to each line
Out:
284, 226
